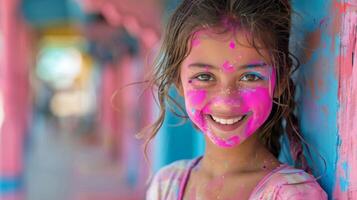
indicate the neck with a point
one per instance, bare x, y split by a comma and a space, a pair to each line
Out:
251, 155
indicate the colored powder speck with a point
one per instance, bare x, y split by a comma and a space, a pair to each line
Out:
232, 45
196, 97
344, 182
227, 67
323, 22
195, 42
206, 68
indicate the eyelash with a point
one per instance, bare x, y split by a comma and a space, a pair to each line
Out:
200, 75
257, 77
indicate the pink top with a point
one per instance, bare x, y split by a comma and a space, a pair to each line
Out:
282, 183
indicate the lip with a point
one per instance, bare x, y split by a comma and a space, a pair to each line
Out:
226, 127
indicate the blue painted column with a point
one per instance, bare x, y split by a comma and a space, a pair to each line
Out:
317, 48
174, 141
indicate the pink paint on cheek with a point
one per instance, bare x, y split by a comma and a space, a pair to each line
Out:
260, 103
194, 101
196, 97
197, 116
227, 67
232, 45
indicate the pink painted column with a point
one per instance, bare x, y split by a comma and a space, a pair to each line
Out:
346, 173
109, 121
14, 87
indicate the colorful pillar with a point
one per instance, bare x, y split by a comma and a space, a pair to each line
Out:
14, 87
346, 172
314, 43
324, 39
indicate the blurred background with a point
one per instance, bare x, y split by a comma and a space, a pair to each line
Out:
67, 115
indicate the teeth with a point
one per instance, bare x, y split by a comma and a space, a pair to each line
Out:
226, 121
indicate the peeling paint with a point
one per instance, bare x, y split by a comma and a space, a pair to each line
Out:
347, 163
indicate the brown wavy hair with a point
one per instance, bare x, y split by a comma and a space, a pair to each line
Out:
268, 22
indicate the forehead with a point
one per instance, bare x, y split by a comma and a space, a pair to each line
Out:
210, 46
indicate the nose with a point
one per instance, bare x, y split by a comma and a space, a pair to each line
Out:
228, 100
228, 88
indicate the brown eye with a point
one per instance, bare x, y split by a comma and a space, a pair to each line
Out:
251, 77
204, 77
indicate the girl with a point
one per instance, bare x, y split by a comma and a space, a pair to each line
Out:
230, 61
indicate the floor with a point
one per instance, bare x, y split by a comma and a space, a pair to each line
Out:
60, 166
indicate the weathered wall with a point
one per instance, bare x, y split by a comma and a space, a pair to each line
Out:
316, 45
346, 166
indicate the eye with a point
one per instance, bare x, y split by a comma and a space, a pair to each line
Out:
205, 77
251, 77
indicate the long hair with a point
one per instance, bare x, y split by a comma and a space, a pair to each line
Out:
268, 22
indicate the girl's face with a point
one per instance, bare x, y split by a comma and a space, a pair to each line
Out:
228, 87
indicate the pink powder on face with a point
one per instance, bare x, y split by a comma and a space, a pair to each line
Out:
206, 68
196, 97
227, 67
194, 100
198, 116
195, 42
255, 102
196, 39
221, 142
232, 45
260, 103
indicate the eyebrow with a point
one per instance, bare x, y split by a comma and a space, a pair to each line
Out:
250, 65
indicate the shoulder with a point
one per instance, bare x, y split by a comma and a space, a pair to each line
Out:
173, 171
166, 182
293, 184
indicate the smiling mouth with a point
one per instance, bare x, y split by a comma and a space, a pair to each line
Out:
227, 124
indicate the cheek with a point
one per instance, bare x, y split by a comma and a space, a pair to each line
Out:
195, 101
259, 102
195, 98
